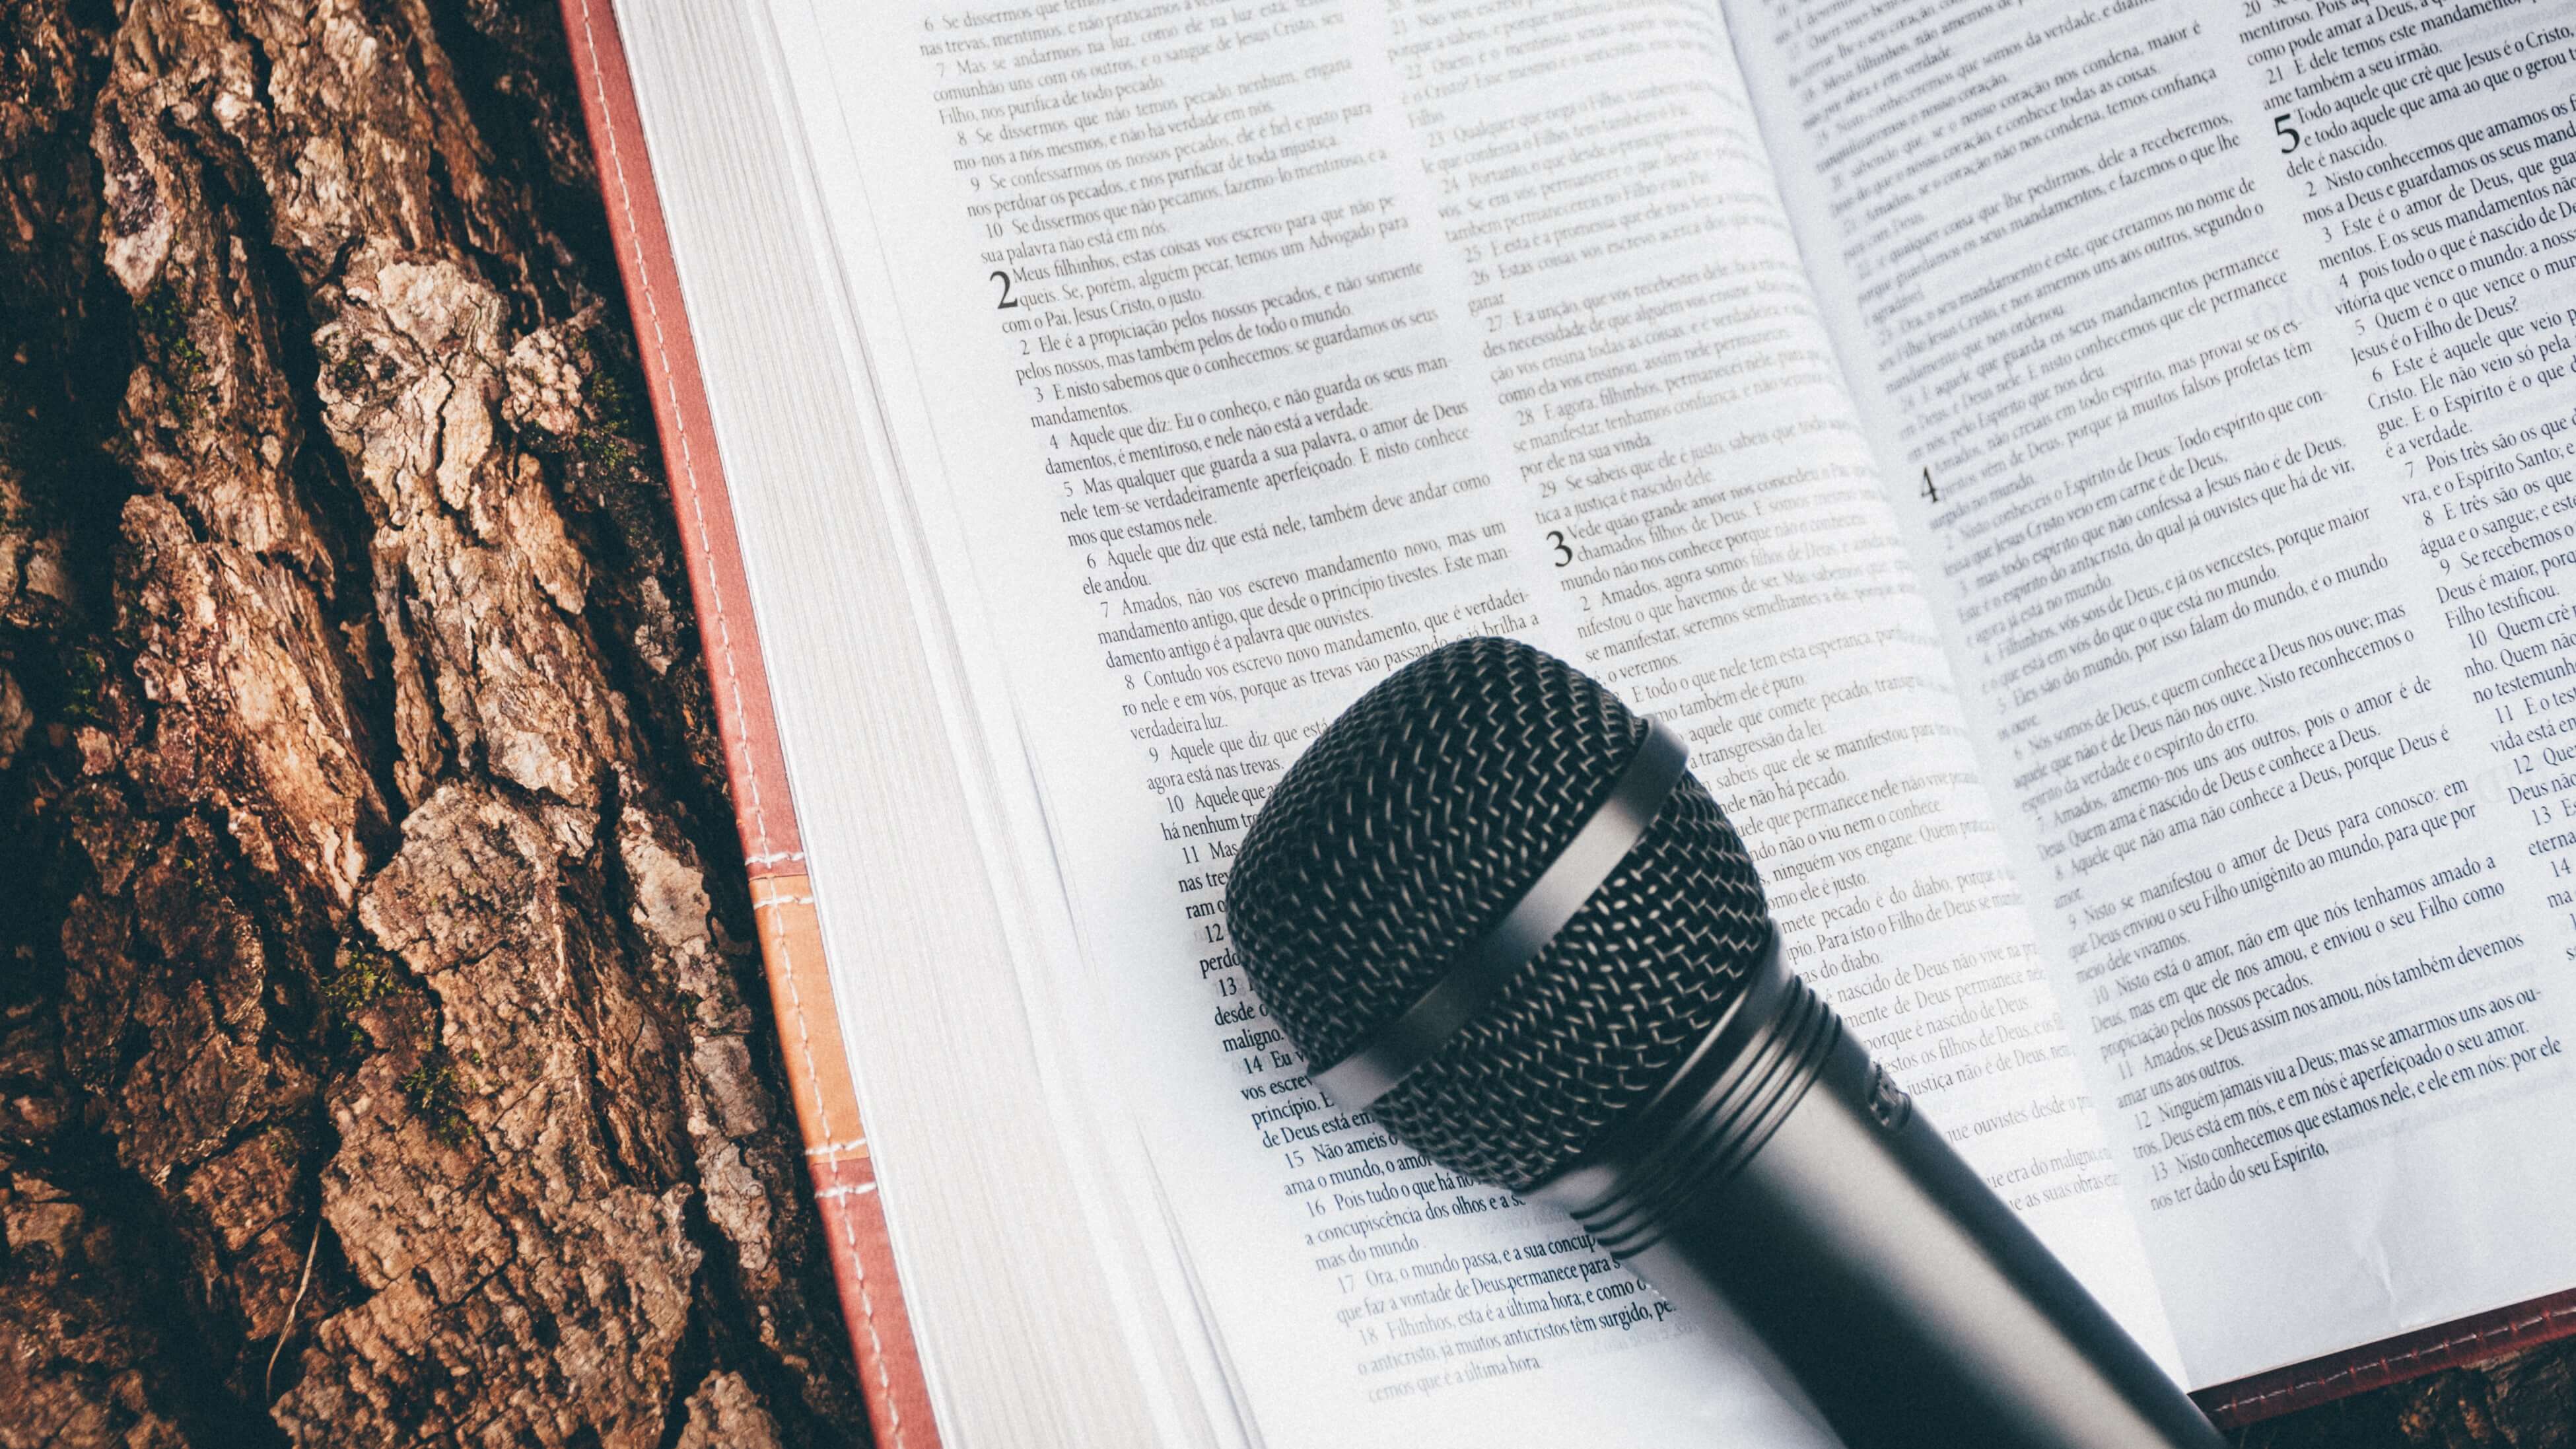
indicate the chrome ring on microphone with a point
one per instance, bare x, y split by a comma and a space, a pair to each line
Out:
1525, 930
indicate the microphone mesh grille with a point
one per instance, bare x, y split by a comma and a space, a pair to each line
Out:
1406, 831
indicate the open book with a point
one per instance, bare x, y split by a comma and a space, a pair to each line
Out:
2092, 487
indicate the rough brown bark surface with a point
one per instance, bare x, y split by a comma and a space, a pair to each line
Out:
381, 1056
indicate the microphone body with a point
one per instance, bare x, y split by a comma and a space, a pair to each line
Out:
1781, 1172
1498, 912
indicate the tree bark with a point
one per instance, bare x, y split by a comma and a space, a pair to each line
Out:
383, 1057
382, 1054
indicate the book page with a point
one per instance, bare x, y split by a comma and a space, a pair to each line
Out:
2217, 357
1237, 353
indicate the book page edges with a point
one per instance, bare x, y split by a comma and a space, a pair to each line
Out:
791, 946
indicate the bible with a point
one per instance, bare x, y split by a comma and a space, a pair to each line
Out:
2091, 487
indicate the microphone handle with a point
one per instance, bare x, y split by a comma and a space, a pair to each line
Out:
1781, 1172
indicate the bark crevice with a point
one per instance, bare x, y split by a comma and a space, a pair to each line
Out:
367, 890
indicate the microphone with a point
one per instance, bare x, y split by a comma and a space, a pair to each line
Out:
1500, 910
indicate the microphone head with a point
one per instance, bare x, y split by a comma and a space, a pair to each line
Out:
1407, 830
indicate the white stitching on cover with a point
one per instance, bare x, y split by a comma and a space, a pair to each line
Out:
733, 681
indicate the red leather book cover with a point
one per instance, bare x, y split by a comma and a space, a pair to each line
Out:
2389, 1361
791, 942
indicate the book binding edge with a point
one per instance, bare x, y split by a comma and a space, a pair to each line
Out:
841, 1174
2457, 1344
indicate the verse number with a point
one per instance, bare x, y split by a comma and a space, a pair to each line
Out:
1008, 301
2288, 133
